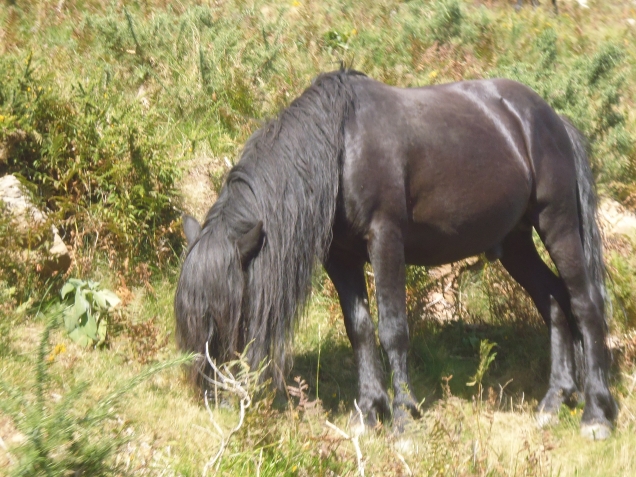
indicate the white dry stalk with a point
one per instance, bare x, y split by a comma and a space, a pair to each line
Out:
353, 439
228, 383
406, 466
6, 450
355, 442
260, 463
501, 390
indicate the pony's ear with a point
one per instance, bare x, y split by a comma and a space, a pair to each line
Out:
191, 228
250, 244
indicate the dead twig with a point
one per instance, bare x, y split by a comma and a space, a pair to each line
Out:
226, 381
354, 439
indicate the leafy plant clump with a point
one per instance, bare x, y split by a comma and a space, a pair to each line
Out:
85, 317
64, 436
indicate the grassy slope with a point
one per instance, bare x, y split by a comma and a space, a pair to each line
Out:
206, 76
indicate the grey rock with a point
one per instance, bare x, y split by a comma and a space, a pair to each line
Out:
26, 216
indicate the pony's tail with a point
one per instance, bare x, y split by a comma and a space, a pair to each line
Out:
589, 230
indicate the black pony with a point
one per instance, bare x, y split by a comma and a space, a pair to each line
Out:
356, 171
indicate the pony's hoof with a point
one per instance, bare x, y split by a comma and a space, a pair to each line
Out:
546, 419
596, 431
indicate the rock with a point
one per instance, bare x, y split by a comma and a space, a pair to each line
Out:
616, 219
26, 216
16, 202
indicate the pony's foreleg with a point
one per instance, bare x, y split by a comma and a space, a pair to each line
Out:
548, 292
386, 252
347, 276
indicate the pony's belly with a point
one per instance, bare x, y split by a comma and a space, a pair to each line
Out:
438, 243
424, 252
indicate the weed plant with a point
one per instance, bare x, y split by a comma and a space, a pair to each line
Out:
65, 435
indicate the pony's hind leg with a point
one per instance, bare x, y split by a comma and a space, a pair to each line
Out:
548, 292
347, 275
561, 236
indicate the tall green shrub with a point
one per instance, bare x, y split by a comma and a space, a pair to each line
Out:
96, 159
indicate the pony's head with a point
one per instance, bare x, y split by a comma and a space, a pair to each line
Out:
210, 294
243, 282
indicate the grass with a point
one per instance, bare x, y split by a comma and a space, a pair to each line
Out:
168, 431
156, 99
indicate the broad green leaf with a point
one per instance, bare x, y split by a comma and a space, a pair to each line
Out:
90, 328
106, 299
101, 331
82, 319
80, 337
66, 289
70, 320
81, 305
77, 283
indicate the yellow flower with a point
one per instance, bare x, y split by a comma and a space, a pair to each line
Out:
59, 349
433, 74
295, 3
294, 468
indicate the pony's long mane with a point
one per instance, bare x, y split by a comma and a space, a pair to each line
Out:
287, 177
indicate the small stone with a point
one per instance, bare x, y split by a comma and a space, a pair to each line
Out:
26, 216
616, 219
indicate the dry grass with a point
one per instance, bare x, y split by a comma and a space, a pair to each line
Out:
170, 432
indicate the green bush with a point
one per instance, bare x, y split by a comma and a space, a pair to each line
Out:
446, 22
94, 158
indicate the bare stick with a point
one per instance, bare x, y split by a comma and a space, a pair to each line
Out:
342, 433
406, 466
225, 380
355, 442
501, 390
353, 439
